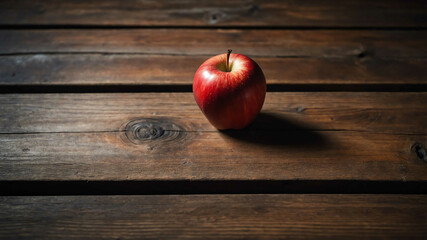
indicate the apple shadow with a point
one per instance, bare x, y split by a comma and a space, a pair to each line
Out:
275, 131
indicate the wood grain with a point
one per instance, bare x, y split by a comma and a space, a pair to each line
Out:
129, 141
302, 13
215, 217
131, 69
396, 113
254, 43
282, 156
305, 136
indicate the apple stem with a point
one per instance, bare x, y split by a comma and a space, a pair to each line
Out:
227, 65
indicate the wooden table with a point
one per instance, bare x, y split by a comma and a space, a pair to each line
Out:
338, 151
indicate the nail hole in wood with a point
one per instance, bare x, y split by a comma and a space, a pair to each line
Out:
214, 17
361, 54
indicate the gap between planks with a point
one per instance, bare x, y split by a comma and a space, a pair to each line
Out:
231, 27
77, 88
186, 187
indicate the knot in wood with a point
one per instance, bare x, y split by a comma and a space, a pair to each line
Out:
148, 131
141, 131
419, 151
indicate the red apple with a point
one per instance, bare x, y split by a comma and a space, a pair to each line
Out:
230, 90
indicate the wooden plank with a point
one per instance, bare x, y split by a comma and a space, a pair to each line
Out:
302, 13
215, 217
254, 43
282, 156
397, 113
118, 69
304, 136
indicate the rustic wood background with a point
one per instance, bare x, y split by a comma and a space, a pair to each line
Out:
338, 151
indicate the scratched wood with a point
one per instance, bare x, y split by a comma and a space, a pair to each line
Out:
302, 13
254, 43
118, 69
149, 136
215, 217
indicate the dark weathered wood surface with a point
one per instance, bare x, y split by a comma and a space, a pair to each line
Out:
253, 43
160, 56
215, 217
213, 156
141, 69
376, 112
302, 13
91, 142
306, 136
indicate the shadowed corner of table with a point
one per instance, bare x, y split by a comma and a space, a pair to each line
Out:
270, 129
